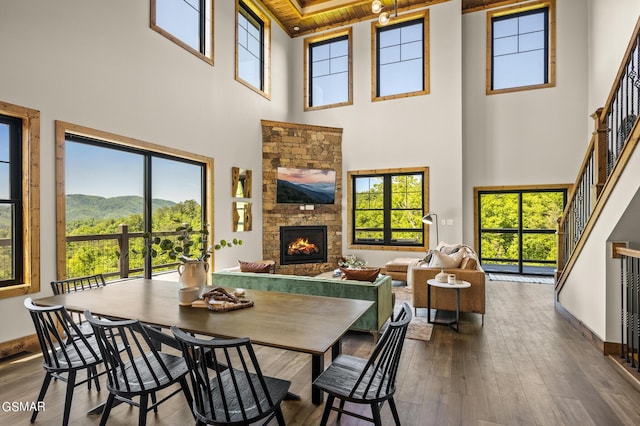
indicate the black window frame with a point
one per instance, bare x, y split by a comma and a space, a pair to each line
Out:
148, 156
399, 25
15, 199
545, 10
387, 210
253, 18
344, 37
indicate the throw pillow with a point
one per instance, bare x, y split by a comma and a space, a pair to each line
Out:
360, 274
448, 248
258, 267
443, 260
427, 258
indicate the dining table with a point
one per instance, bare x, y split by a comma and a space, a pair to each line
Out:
295, 322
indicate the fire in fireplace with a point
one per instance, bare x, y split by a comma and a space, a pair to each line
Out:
303, 244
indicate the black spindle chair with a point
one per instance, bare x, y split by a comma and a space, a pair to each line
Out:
138, 370
61, 354
229, 387
73, 285
367, 381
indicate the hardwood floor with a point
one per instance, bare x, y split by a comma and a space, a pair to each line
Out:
526, 366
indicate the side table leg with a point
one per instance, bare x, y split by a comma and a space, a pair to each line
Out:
457, 310
428, 303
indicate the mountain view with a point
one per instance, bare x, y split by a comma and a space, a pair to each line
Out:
305, 193
84, 207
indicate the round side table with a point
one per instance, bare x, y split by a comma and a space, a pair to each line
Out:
457, 286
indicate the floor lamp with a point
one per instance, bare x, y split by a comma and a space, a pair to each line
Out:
430, 219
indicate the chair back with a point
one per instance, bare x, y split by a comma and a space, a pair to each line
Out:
133, 364
378, 378
226, 379
77, 284
53, 327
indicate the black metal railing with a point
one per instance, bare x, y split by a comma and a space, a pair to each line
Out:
630, 306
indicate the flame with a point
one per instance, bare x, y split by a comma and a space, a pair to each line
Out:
302, 246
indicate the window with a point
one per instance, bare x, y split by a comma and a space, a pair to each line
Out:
328, 76
188, 23
522, 48
253, 38
386, 208
19, 200
147, 188
401, 60
517, 228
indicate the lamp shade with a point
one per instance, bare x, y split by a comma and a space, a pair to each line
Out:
428, 219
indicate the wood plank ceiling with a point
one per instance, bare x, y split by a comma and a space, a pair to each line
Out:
303, 17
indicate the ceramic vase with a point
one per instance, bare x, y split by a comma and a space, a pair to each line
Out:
193, 273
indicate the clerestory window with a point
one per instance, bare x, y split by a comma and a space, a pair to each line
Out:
253, 41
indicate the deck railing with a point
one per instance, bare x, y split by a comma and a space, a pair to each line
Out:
602, 163
630, 305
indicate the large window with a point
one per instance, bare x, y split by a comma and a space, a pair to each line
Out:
328, 73
19, 200
401, 60
517, 228
253, 34
114, 191
188, 23
386, 208
521, 45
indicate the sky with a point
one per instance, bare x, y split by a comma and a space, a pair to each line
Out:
308, 176
105, 172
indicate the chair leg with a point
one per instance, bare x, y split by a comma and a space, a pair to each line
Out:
71, 383
107, 409
96, 378
187, 395
327, 409
341, 408
144, 401
154, 400
280, 417
43, 391
394, 411
375, 412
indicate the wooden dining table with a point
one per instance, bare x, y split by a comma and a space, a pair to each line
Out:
295, 322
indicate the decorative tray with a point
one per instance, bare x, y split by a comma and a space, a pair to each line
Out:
220, 300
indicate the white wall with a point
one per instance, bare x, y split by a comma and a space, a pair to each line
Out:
532, 137
98, 64
408, 132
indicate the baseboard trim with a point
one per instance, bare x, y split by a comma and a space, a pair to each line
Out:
22, 344
585, 331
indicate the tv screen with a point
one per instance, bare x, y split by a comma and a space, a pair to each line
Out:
306, 186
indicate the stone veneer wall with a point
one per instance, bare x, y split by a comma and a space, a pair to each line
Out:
300, 146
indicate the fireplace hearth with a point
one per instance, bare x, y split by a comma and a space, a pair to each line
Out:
303, 244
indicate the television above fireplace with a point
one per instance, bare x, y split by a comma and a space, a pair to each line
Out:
305, 186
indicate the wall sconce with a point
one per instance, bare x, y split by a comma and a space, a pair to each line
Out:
385, 17
430, 219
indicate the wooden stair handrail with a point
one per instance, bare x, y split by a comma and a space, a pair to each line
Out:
625, 251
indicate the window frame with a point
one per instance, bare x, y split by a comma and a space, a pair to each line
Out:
206, 31
29, 281
64, 129
375, 27
259, 15
551, 44
352, 175
308, 84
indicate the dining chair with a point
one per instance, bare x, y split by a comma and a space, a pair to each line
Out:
228, 384
140, 370
369, 381
63, 355
73, 285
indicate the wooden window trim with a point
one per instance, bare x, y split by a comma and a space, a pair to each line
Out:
551, 4
62, 129
31, 200
209, 33
425, 56
307, 84
425, 204
266, 29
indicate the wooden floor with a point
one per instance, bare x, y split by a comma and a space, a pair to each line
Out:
526, 366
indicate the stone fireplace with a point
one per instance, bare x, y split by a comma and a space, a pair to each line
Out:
303, 244
300, 146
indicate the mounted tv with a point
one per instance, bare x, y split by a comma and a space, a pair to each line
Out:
306, 186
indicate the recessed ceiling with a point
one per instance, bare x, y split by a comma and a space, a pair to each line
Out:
303, 17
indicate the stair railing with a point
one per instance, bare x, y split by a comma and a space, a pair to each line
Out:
630, 305
611, 145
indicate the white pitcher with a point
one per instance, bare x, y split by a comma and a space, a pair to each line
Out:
193, 273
